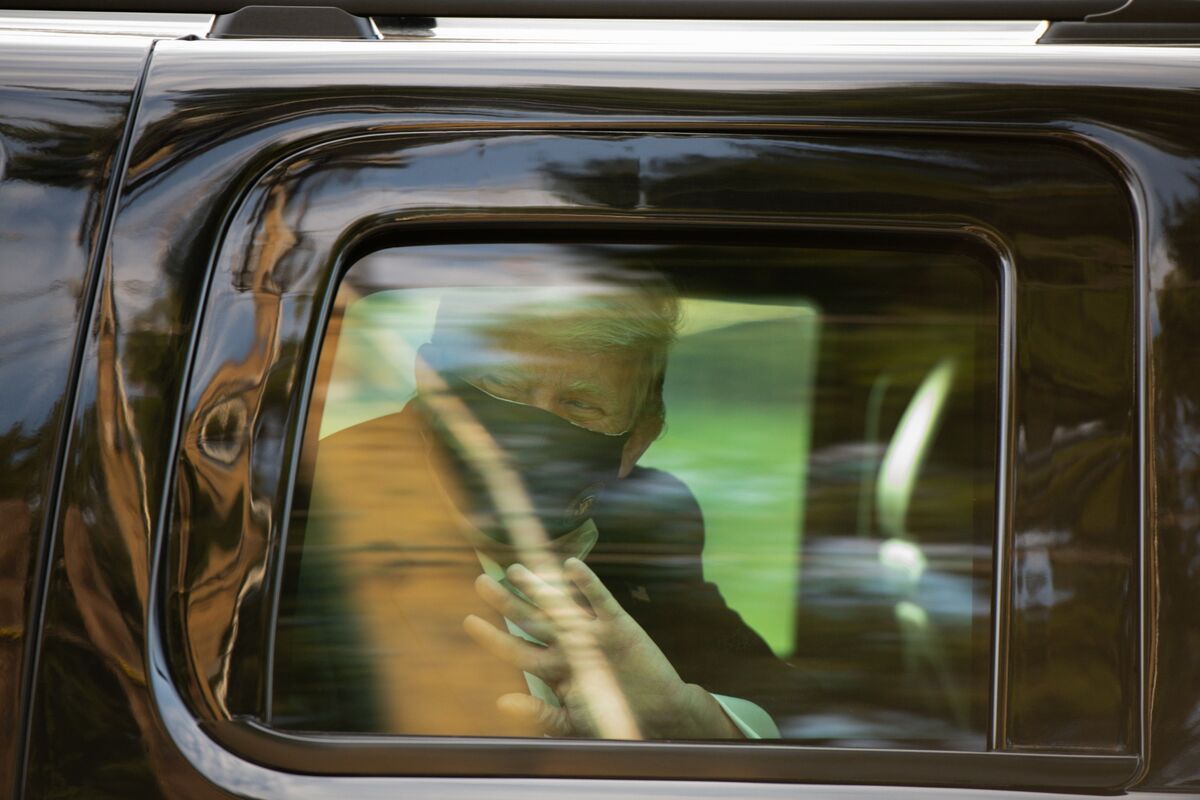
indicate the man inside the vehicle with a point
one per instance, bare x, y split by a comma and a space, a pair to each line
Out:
509, 563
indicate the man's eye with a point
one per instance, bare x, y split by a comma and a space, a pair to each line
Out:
494, 382
582, 406
497, 385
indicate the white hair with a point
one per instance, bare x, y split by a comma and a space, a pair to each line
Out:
639, 315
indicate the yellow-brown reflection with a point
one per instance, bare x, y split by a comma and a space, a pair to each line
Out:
383, 512
409, 583
221, 472
89, 565
14, 565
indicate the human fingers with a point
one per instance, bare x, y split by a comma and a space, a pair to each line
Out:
536, 587
593, 589
528, 709
514, 650
524, 614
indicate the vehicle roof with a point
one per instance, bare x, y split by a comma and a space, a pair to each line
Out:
629, 9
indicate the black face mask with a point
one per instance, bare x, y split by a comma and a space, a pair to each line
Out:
563, 467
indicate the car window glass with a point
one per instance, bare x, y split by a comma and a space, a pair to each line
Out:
653, 490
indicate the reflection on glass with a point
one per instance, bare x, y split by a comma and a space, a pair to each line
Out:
631, 491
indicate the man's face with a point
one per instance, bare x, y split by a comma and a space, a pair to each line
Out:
600, 391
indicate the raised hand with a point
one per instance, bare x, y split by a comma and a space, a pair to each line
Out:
578, 640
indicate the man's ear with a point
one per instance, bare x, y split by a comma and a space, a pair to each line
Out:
643, 435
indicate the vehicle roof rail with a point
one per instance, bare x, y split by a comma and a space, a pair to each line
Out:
292, 22
850, 10
1148, 22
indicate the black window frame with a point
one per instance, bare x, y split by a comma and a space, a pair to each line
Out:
975, 250
344, 755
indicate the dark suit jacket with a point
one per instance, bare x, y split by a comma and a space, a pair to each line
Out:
649, 555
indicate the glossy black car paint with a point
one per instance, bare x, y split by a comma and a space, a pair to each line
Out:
283, 247
65, 102
216, 115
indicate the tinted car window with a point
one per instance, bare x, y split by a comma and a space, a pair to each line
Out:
777, 461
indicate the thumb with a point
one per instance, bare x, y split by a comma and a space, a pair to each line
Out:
526, 708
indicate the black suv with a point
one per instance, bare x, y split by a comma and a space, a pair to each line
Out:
830, 365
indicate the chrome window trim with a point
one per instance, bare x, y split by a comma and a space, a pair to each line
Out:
784, 36
775, 36
1002, 553
107, 23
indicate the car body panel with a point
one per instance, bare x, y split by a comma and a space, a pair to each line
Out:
64, 103
215, 116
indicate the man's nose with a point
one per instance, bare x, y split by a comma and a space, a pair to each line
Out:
543, 397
